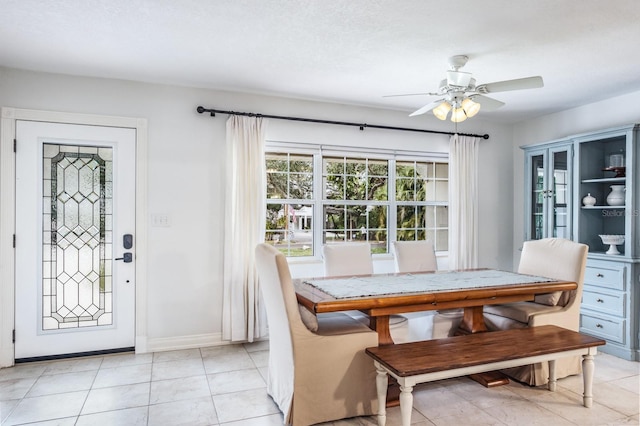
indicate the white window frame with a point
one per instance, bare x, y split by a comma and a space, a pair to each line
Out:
318, 200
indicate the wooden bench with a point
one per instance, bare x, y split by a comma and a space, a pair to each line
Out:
420, 362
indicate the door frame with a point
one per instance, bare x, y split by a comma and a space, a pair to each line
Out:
9, 116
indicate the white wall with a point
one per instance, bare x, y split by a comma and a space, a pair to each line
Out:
612, 112
186, 170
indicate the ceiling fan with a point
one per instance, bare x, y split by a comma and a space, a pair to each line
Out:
459, 92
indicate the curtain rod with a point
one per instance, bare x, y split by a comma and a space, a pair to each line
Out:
362, 126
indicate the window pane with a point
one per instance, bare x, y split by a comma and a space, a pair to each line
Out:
404, 169
377, 189
442, 190
355, 166
442, 217
378, 167
301, 163
405, 189
356, 188
430, 190
289, 176
333, 187
424, 170
301, 186
406, 217
276, 185
442, 170
334, 219
290, 228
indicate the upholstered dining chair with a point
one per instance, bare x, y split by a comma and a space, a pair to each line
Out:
343, 259
415, 256
313, 376
420, 256
556, 258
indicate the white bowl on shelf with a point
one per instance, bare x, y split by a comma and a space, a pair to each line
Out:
613, 241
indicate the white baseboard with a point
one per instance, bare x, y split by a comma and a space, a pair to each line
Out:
161, 344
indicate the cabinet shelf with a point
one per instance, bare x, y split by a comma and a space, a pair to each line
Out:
604, 180
602, 207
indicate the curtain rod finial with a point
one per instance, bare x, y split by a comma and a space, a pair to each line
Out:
202, 109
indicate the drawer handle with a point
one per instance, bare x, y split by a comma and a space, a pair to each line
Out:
599, 300
600, 275
599, 325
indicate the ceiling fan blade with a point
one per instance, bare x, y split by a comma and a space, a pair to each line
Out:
409, 94
487, 103
516, 84
428, 107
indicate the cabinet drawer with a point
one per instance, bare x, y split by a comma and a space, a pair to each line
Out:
610, 328
612, 304
605, 277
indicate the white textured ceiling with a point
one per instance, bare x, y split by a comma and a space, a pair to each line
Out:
345, 51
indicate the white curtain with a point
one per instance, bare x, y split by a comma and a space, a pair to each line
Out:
463, 202
243, 316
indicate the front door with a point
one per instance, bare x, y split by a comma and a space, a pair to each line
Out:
75, 245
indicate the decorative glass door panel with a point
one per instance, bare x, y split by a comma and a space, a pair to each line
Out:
75, 204
77, 238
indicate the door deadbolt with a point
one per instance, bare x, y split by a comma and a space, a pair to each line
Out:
127, 241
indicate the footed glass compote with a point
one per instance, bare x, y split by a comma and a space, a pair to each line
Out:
613, 241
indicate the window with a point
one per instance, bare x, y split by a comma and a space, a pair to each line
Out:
358, 196
290, 203
356, 202
422, 196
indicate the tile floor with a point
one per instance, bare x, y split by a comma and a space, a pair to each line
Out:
225, 385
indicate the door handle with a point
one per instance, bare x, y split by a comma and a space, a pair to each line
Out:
126, 257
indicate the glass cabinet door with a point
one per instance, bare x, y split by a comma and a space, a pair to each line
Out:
549, 187
538, 197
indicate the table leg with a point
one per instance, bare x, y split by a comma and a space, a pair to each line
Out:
473, 322
587, 377
553, 380
406, 404
382, 382
381, 325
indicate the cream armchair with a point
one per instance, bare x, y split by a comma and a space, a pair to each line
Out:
553, 258
318, 376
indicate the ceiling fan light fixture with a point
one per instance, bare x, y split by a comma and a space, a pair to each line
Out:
442, 110
470, 107
458, 115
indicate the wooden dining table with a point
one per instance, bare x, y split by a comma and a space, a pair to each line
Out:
381, 295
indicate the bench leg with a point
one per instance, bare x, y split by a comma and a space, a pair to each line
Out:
406, 404
587, 375
552, 375
382, 382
